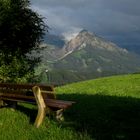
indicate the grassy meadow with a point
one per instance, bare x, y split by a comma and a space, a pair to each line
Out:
106, 109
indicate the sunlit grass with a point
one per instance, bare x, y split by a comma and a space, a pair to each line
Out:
125, 85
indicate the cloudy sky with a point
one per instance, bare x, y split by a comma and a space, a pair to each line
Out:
115, 20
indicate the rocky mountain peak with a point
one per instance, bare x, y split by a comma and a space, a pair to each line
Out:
85, 32
86, 38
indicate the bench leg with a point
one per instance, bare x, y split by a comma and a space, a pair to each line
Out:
40, 117
1, 103
59, 115
41, 106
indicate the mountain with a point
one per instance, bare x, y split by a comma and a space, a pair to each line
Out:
87, 56
59, 41
85, 38
133, 48
54, 40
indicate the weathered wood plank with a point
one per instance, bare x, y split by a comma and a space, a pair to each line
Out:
42, 95
58, 103
41, 106
26, 86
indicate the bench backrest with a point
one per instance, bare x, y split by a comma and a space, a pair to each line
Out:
26, 89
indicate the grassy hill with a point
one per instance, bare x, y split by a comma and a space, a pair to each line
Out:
106, 108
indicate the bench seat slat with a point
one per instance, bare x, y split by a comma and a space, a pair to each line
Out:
16, 96
58, 103
19, 100
49, 102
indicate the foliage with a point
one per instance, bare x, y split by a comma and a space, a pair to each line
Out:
18, 71
21, 30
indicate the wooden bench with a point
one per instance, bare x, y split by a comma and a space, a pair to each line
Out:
42, 95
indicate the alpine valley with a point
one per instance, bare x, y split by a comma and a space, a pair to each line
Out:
84, 57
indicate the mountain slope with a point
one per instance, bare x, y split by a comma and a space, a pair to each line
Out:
54, 40
88, 56
132, 48
85, 38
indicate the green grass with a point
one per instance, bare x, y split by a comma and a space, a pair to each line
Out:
106, 108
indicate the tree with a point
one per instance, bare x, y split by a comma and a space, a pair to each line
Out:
21, 30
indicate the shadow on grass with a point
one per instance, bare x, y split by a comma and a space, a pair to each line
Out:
31, 112
101, 117
104, 117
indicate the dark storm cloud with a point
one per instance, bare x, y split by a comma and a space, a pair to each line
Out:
108, 18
